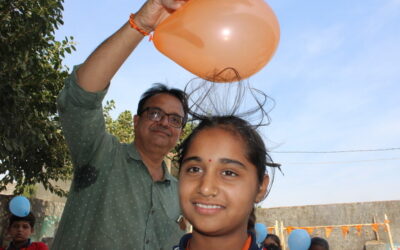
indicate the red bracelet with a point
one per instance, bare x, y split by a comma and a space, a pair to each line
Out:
133, 25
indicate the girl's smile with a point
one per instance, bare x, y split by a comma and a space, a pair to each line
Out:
204, 208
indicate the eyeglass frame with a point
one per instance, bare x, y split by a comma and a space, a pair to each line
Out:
163, 113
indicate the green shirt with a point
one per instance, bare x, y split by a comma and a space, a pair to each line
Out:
113, 202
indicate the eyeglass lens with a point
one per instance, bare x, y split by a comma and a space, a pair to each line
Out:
156, 114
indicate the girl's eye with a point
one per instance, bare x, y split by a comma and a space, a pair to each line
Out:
229, 173
194, 170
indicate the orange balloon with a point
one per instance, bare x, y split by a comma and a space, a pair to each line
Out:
208, 36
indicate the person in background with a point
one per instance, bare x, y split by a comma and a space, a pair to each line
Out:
272, 242
20, 230
318, 243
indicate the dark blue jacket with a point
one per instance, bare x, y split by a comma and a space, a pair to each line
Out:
185, 239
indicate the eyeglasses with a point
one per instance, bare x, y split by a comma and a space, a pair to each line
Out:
156, 114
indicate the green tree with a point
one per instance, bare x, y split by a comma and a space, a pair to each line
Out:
122, 127
173, 155
187, 130
32, 148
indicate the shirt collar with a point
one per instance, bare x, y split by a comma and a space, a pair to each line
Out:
13, 247
134, 154
184, 242
185, 239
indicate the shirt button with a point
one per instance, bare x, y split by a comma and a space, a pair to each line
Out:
147, 241
152, 211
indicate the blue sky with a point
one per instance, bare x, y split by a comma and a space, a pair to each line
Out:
335, 79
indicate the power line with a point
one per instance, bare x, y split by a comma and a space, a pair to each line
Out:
335, 151
339, 162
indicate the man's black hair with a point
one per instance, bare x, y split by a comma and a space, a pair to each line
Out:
160, 88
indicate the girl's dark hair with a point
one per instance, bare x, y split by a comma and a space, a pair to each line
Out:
252, 222
236, 107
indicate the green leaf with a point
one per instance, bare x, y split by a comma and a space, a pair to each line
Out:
32, 149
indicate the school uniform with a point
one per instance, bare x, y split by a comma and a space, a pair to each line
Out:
184, 243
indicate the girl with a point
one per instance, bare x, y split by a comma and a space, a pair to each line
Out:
222, 175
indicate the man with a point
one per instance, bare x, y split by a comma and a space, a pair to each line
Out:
122, 196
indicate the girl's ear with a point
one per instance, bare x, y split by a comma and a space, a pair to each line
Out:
262, 190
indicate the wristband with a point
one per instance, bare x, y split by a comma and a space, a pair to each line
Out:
134, 26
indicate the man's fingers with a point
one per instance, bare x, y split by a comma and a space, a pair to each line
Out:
173, 5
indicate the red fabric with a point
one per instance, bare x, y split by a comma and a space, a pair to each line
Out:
33, 246
37, 246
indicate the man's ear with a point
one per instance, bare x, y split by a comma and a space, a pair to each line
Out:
262, 190
135, 120
180, 133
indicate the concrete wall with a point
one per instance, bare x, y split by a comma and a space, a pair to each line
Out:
340, 214
48, 214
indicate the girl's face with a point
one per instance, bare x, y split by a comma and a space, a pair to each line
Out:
218, 186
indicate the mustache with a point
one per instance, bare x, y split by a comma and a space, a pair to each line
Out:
160, 128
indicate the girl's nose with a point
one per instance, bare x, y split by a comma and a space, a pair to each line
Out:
208, 185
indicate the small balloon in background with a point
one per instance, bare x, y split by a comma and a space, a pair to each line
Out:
20, 206
299, 239
261, 232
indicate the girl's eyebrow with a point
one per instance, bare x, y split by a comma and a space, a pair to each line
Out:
192, 158
231, 161
222, 160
